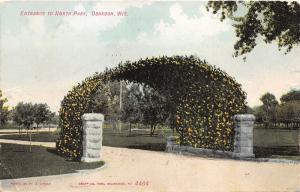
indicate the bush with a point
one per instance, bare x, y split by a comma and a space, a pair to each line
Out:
205, 98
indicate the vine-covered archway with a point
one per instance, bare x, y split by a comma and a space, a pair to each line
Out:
205, 99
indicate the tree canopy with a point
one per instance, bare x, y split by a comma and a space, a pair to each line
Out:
42, 113
273, 20
269, 107
26, 114
23, 114
132, 106
107, 100
293, 95
154, 108
271, 113
4, 112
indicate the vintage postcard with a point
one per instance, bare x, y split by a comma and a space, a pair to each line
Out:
149, 96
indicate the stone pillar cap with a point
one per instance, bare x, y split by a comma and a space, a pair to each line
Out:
92, 117
244, 117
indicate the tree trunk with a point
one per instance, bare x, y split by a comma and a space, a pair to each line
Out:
30, 142
129, 129
114, 125
152, 129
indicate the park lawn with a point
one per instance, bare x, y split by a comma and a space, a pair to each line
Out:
275, 137
41, 137
270, 143
139, 139
17, 162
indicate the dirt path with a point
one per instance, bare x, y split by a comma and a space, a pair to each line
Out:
162, 172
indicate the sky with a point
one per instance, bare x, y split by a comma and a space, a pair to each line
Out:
42, 57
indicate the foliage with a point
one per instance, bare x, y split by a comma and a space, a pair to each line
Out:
289, 111
4, 112
293, 95
153, 108
272, 113
107, 100
205, 100
41, 113
131, 111
273, 20
23, 114
143, 104
53, 118
249, 110
259, 114
269, 107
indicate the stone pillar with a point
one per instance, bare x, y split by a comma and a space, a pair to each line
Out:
243, 139
92, 136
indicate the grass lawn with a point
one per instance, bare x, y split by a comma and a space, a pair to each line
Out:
42, 137
139, 139
17, 162
268, 143
276, 143
275, 137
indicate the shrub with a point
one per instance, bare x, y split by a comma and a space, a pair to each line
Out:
205, 98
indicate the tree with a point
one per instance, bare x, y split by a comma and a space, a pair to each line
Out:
23, 115
53, 119
131, 111
269, 107
107, 101
249, 110
293, 95
259, 114
273, 20
4, 112
153, 108
289, 109
41, 114
288, 113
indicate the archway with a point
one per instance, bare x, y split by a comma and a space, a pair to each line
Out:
206, 98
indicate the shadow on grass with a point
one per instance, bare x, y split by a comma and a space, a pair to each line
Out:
268, 152
149, 146
52, 150
17, 162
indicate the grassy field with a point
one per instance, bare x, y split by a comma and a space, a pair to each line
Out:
42, 137
267, 142
17, 162
262, 137
276, 143
275, 137
139, 139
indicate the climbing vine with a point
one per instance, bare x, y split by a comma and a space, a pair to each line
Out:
205, 99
